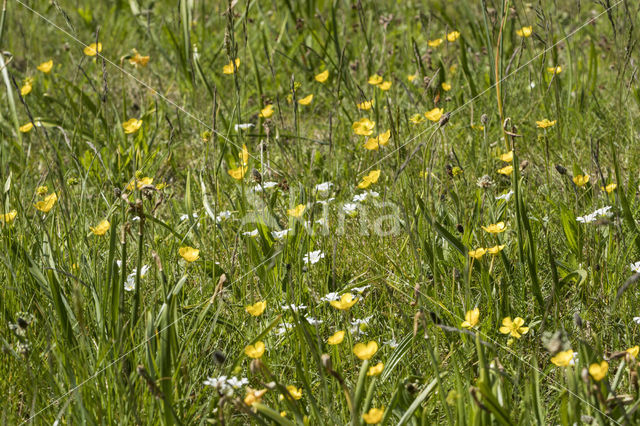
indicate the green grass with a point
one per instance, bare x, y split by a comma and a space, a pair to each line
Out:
120, 329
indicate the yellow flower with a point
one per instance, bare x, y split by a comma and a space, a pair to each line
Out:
374, 416
581, 180
294, 392
296, 211
375, 369
256, 309
471, 318
506, 170
140, 183
385, 85
46, 67
477, 253
322, 77
93, 49
371, 144
412, 77
524, 32
132, 125
254, 396
434, 43
563, 358
514, 328
365, 351
337, 338
101, 228
189, 254
554, 70
453, 36
507, 157
26, 128
306, 100
478, 127
495, 249
229, 68
434, 114
495, 228
599, 371
366, 105
633, 351
267, 111
346, 301
381, 139
254, 351
26, 89
138, 59
416, 118
48, 203
244, 155
375, 79
372, 177
609, 188
445, 86
8, 217
238, 173
363, 127
544, 123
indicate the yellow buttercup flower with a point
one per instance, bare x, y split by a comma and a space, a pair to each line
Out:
599, 371
139, 183
507, 157
138, 60
337, 338
445, 86
477, 253
554, 70
346, 301
132, 125
495, 249
633, 351
296, 211
294, 392
435, 43
524, 31
544, 123
254, 396
189, 254
609, 188
495, 228
322, 77
238, 173
101, 228
26, 89
563, 358
416, 118
93, 49
8, 217
375, 79
373, 416
372, 177
506, 170
48, 203
371, 144
471, 318
255, 351
412, 77
453, 36
366, 105
267, 111
381, 140
26, 128
230, 68
434, 115
244, 155
256, 309
514, 328
46, 67
306, 100
363, 127
365, 351
581, 180
375, 370
384, 85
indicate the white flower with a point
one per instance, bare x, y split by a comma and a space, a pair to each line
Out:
635, 267
350, 209
253, 233
359, 326
313, 257
135, 219
321, 222
243, 126
324, 187
186, 216
574, 360
532, 84
391, 342
591, 217
324, 202
237, 383
215, 382
265, 185
636, 320
294, 308
283, 328
329, 297
119, 263
279, 235
506, 196
130, 284
360, 197
360, 290
373, 194
313, 321
143, 270
223, 216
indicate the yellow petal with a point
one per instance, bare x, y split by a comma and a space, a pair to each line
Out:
46, 67
189, 254
93, 49
306, 100
322, 77
101, 228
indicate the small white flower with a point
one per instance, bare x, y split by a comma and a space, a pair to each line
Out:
360, 290
283, 328
223, 216
313, 257
294, 308
236, 383
505, 197
186, 216
324, 187
591, 217
130, 284
636, 320
329, 297
313, 321
321, 222
119, 263
373, 194
532, 84
143, 270
391, 342
574, 360
325, 202
253, 233
635, 267
243, 126
279, 235
135, 219
350, 209
360, 197
359, 326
